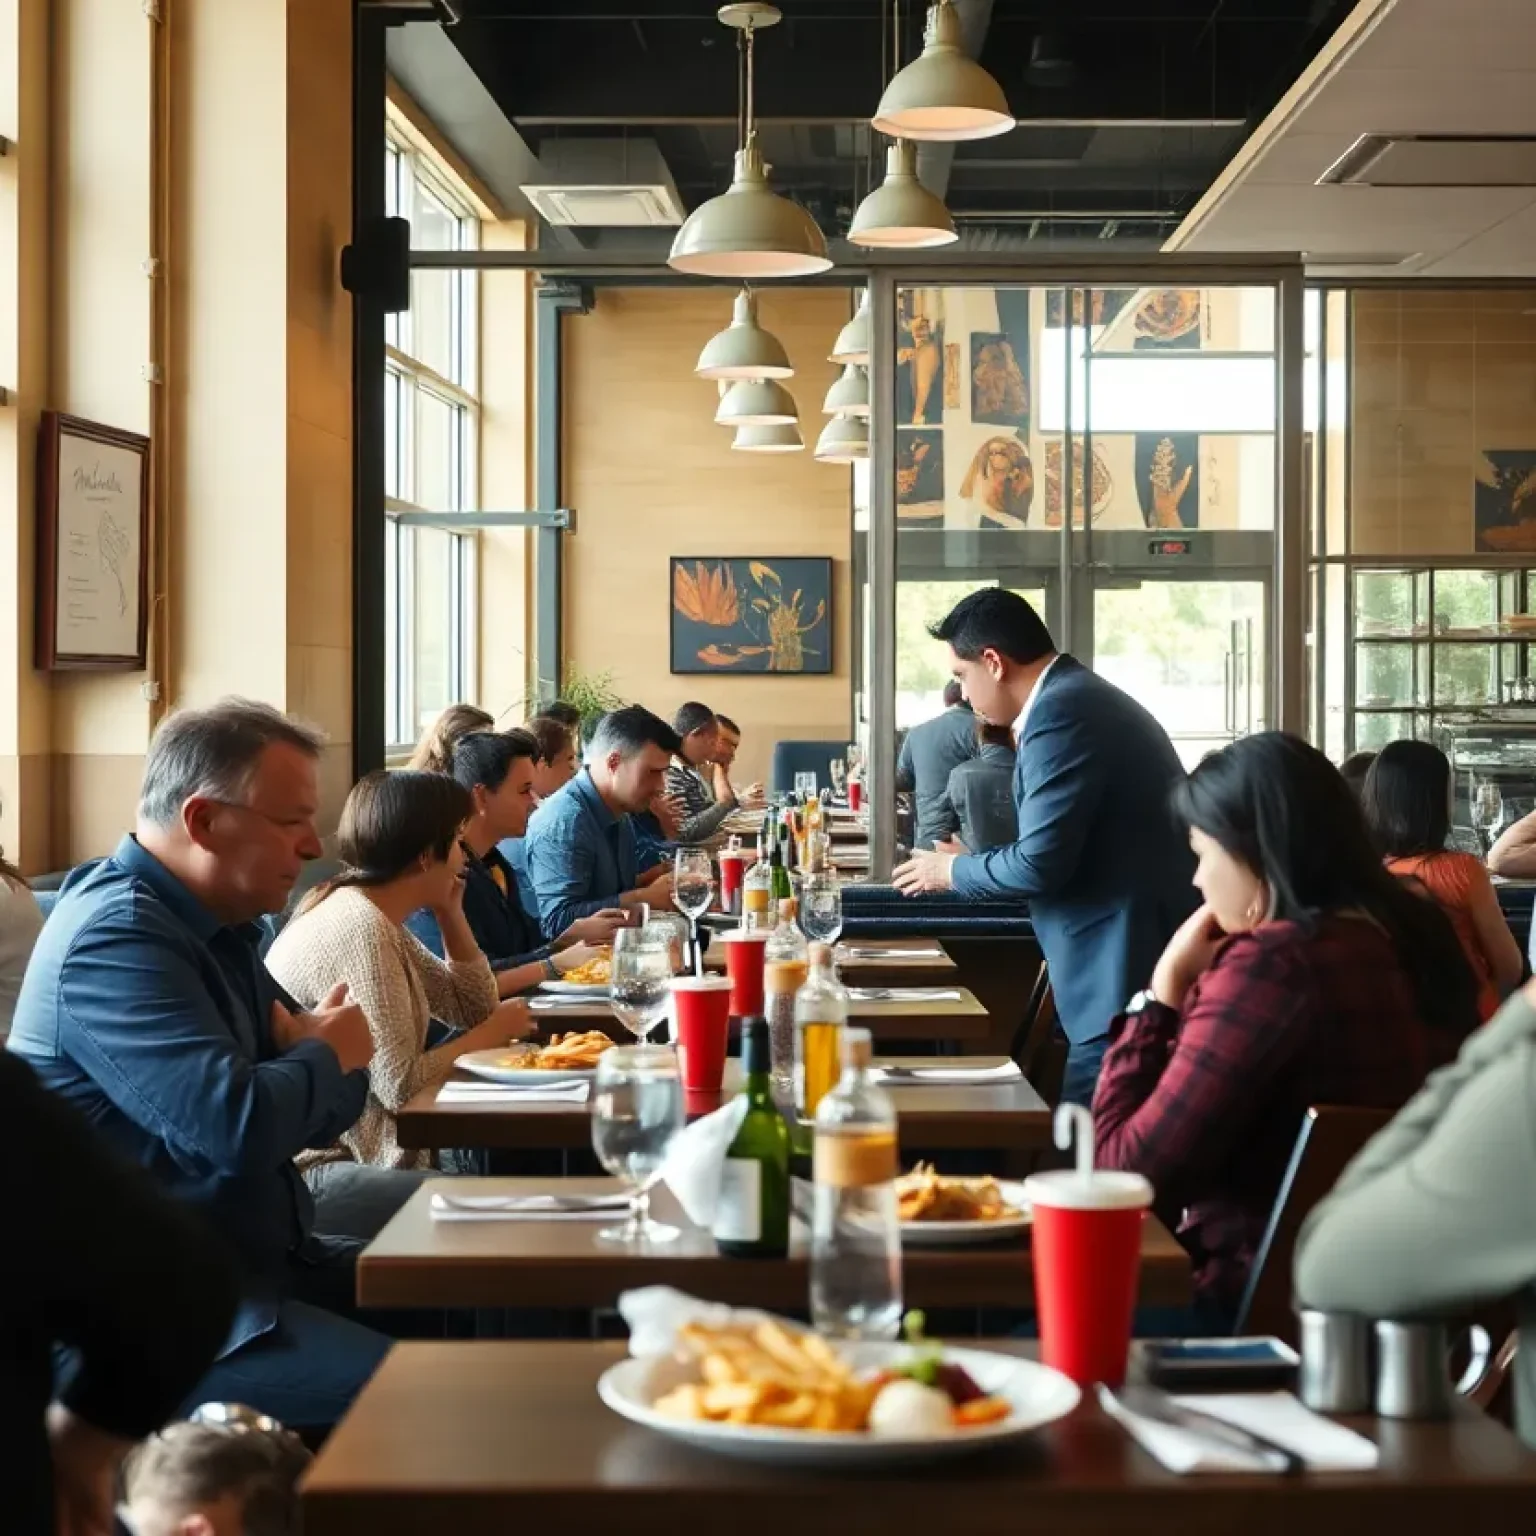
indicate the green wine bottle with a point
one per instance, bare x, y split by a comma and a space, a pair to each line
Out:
780, 888
752, 1218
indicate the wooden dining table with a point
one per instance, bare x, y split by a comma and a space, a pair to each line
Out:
1004, 1117
881, 963
485, 1438
419, 1260
960, 1020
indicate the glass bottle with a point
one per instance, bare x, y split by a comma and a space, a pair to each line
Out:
752, 1218
757, 893
821, 1015
855, 1225
782, 889
785, 968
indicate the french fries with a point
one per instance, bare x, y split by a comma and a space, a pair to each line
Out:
597, 972
926, 1195
563, 1053
769, 1375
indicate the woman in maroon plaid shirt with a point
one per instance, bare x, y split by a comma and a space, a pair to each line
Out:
1308, 976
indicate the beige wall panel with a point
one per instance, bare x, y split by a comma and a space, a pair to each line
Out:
95, 798
319, 537
650, 476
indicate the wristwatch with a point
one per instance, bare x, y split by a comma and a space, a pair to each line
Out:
1143, 1000
551, 970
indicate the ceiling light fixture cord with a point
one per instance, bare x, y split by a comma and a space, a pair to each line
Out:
751, 108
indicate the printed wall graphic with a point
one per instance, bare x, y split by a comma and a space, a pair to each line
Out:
1103, 483
952, 376
765, 615
1168, 319
1168, 478
999, 387
1107, 303
1504, 500
919, 354
919, 472
997, 488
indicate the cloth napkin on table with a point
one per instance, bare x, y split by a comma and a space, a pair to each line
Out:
512, 1093
553, 1002
885, 952
903, 994
694, 1161
1278, 1416
949, 1077
527, 1207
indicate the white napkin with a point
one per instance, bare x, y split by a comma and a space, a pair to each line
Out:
520, 1208
655, 1313
1278, 1416
903, 994
952, 1077
543, 1002
692, 1166
512, 1093
878, 952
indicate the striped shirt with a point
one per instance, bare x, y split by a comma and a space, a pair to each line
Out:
703, 815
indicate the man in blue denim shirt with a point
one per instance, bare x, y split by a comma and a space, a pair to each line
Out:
581, 847
147, 1006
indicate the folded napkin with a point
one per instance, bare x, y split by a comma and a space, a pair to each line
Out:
512, 1093
879, 952
904, 994
1278, 1416
951, 1077
695, 1158
541, 1002
527, 1207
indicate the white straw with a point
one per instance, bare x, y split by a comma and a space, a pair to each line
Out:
1072, 1121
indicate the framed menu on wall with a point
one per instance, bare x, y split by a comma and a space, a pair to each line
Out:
92, 546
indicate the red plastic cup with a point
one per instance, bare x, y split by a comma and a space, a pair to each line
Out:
855, 794
732, 871
1087, 1258
744, 966
701, 1015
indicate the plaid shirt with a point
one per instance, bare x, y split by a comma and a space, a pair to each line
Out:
1207, 1104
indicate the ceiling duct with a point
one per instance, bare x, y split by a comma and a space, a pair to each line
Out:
605, 184
1434, 160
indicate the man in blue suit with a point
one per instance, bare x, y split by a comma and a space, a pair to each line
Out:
1100, 859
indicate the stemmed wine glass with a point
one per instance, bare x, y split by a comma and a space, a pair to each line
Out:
693, 885
821, 908
1487, 810
837, 769
637, 1110
639, 981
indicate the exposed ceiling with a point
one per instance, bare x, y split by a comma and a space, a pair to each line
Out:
1413, 67
1152, 99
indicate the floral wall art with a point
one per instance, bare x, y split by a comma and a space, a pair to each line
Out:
751, 615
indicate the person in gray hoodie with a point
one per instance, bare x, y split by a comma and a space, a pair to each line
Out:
1438, 1212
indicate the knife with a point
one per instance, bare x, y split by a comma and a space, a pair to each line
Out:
1155, 1404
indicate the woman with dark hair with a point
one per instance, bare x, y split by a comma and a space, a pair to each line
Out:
1407, 804
1308, 976
399, 840
496, 769
434, 752
558, 755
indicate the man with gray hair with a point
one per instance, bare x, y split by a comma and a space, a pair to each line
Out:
147, 1006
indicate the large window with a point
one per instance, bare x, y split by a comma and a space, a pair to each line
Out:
432, 417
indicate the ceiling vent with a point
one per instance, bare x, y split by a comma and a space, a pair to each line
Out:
605, 184
1434, 160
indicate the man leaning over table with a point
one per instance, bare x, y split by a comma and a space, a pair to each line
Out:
1099, 857
148, 1008
581, 844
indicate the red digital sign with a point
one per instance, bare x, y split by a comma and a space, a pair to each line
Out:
1170, 548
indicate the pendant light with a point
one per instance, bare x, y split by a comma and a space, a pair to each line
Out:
784, 438
757, 403
852, 344
849, 394
943, 93
901, 212
744, 350
843, 440
749, 231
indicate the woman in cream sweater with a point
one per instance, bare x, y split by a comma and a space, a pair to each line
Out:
399, 840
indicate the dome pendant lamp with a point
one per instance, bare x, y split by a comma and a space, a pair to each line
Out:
779, 439
757, 403
744, 350
749, 231
849, 394
843, 440
901, 213
852, 344
943, 93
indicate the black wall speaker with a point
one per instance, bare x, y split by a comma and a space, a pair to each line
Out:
377, 264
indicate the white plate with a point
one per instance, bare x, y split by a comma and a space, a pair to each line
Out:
1038, 1394
575, 988
955, 1234
491, 1065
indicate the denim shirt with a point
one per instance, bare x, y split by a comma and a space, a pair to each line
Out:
154, 1020
581, 857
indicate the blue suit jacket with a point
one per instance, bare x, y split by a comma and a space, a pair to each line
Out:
1102, 862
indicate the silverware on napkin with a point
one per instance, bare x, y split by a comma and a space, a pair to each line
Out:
1155, 1404
618, 1201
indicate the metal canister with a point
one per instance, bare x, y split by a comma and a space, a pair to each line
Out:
1335, 1362
1412, 1378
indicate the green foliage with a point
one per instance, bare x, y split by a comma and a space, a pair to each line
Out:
592, 693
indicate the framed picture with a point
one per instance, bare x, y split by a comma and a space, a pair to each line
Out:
751, 615
92, 546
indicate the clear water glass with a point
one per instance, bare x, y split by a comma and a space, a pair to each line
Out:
838, 770
1487, 808
693, 888
805, 785
821, 908
639, 982
637, 1111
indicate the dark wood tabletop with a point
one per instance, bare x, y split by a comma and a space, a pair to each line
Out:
1010, 1117
899, 963
485, 1438
418, 1261
961, 1020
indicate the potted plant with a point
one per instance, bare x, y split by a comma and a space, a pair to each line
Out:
592, 694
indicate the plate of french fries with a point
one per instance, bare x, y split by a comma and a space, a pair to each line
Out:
768, 1390
937, 1210
589, 980
560, 1059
